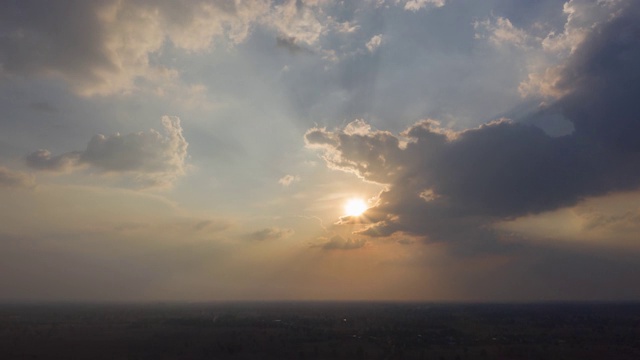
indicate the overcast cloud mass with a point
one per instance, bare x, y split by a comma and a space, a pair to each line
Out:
206, 150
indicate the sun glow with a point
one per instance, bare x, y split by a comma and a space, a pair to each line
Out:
355, 207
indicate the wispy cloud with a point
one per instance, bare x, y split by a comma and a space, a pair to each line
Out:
12, 178
288, 180
337, 242
500, 31
272, 233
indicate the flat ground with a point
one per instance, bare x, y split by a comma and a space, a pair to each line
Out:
320, 331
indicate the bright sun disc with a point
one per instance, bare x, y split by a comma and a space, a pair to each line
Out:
355, 207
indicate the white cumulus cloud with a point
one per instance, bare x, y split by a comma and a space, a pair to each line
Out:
288, 180
374, 43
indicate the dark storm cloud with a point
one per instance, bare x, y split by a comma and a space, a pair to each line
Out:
602, 81
453, 186
157, 159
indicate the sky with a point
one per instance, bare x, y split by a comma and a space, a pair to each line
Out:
208, 150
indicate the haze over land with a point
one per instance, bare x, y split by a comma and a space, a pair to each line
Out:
313, 150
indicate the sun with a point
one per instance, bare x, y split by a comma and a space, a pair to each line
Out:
355, 207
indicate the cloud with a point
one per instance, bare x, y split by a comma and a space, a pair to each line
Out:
107, 47
290, 43
337, 242
153, 158
543, 83
288, 180
542, 48
211, 225
582, 17
104, 47
272, 233
304, 22
500, 31
415, 5
347, 27
601, 82
42, 160
374, 43
191, 226
453, 186
11, 178
552, 50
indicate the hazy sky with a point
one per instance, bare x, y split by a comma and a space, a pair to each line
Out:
205, 150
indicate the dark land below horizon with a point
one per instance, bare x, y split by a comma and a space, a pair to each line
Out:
320, 330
